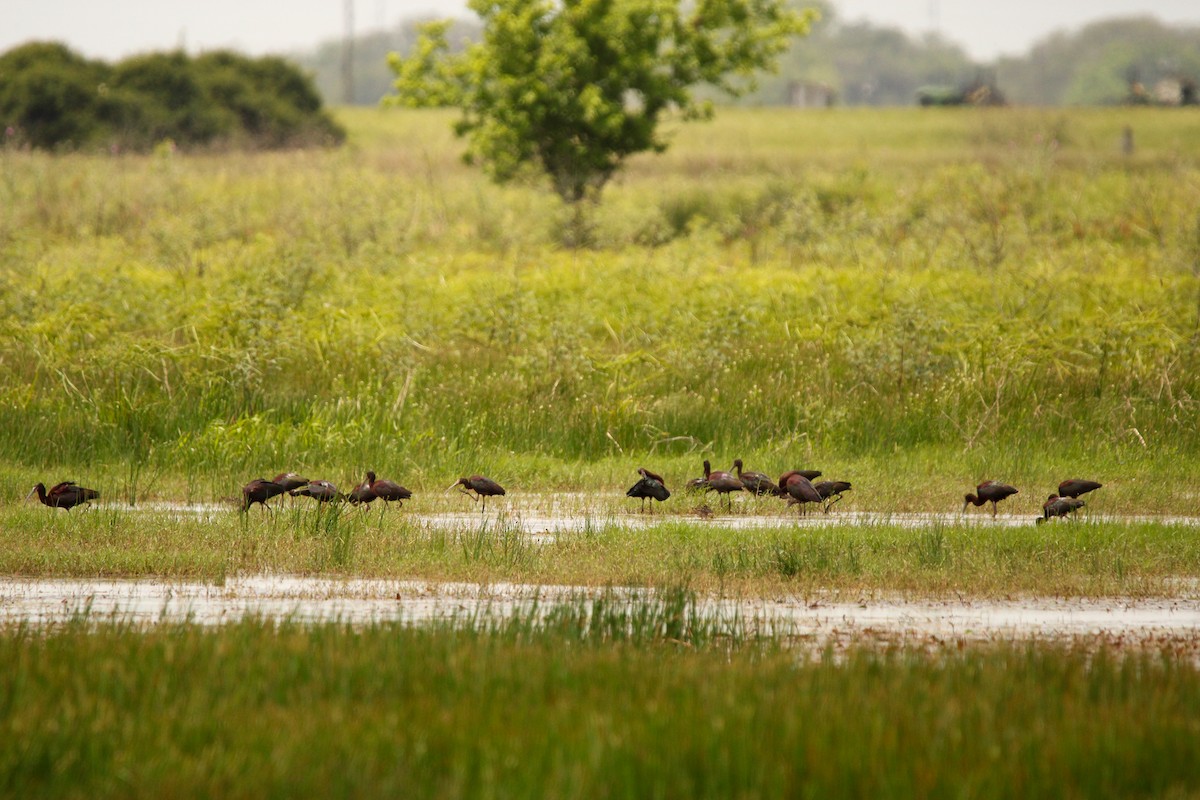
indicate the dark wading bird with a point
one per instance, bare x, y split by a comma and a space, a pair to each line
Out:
800, 491
362, 492
700, 484
373, 489
390, 491
289, 481
722, 483
1056, 506
1076, 486
67, 494
808, 474
481, 486
988, 492
654, 476
321, 491
831, 491
649, 486
259, 490
756, 482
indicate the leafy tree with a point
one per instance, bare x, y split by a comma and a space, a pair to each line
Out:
571, 89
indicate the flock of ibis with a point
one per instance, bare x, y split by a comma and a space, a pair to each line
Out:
260, 490
1063, 503
796, 486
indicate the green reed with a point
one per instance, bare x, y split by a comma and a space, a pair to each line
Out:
641, 702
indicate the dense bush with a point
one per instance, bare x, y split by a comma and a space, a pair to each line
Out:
49, 95
52, 98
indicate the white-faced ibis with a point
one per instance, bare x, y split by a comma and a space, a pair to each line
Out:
756, 482
800, 491
375, 489
1056, 506
721, 482
809, 475
649, 486
700, 484
654, 476
389, 491
988, 492
321, 491
289, 481
362, 492
259, 490
1076, 486
481, 486
831, 491
67, 494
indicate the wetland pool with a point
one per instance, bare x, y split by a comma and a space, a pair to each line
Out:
363, 601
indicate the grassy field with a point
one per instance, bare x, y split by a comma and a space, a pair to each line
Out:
911, 300
921, 299
597, 704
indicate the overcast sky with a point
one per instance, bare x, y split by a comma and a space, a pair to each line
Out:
112, 29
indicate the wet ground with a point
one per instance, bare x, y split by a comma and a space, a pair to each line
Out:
358, 601
546, 518
546, 514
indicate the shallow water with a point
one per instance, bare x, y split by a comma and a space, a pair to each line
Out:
359, 601
546, 514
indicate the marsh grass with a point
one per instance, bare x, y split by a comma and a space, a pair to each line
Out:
581, 701
1084, 558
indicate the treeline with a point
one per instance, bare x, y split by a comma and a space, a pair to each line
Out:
54, 98
1103, 63
1100, 64
861, 63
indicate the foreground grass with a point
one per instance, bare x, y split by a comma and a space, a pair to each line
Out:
580, 709
1065, 559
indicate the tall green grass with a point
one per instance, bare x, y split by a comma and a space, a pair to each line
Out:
997, 293
520, 709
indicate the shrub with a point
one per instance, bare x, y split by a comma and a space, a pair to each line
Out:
271, 101
53, 98
160, 98
50, 96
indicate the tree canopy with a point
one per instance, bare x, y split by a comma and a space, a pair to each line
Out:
571, 89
